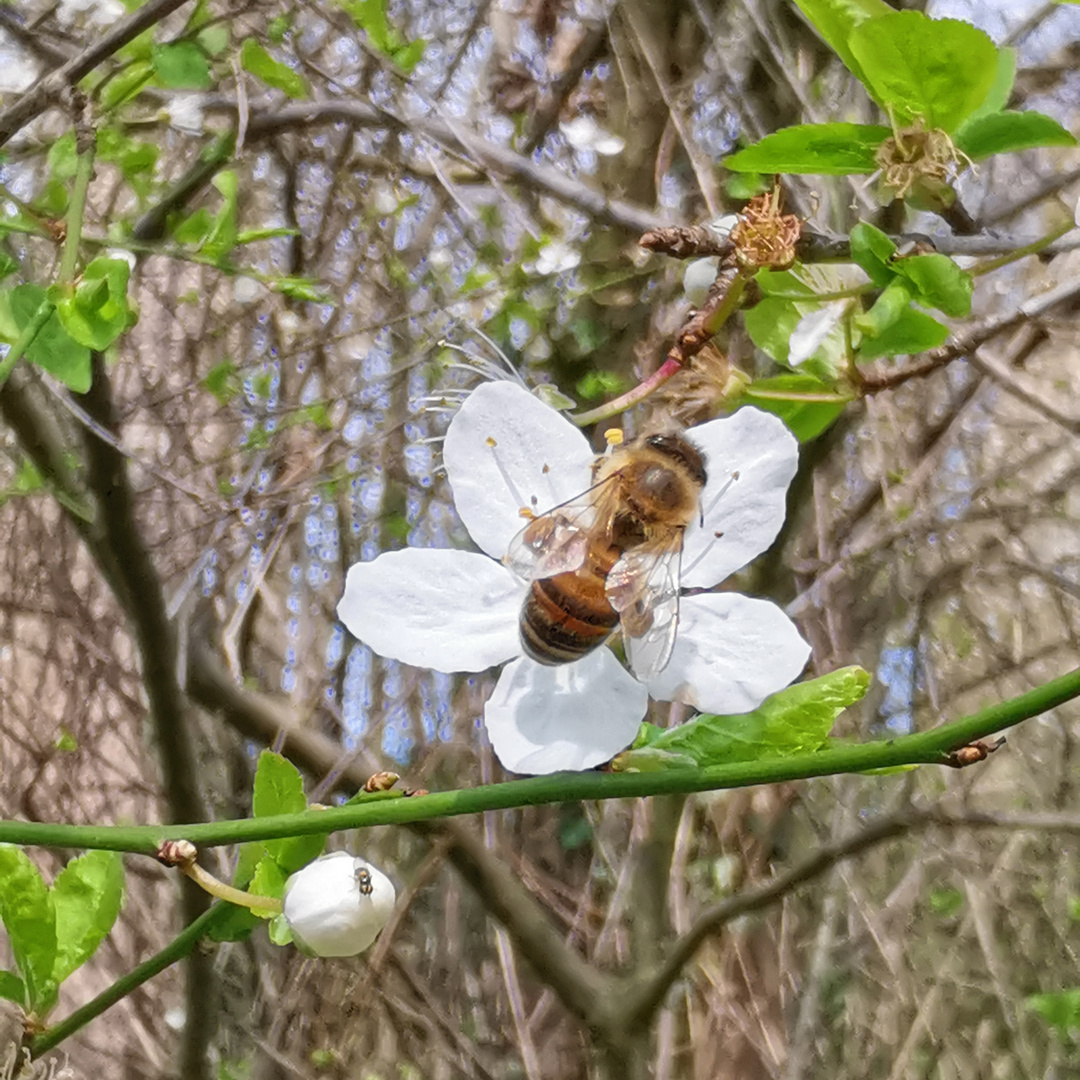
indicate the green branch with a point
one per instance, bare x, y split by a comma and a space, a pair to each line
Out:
176, 950
928, 747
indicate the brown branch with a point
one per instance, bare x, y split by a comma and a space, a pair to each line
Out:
641, 998
48, 89
966, 344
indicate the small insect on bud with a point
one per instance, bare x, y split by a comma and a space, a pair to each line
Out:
336, 905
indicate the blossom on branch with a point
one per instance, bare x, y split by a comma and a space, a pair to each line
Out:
458, 611
336, 905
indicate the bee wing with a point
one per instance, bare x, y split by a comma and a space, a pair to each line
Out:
643, 587
558, 542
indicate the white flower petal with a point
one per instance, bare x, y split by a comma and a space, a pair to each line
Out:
811, 331
581, 132
730, 654
608, 145
336, 905
537, 454
747, 512
698, 278
435, 608
572, 716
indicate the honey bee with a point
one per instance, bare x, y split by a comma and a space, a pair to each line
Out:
611, 556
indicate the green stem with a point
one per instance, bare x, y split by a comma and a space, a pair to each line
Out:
176, 950
26, 339
927, 747
1021, 253
84, 172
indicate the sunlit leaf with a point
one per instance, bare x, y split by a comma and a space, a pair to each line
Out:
53, 349
910, 333
1010, 132
820, 149
86, 898
807, 405
794, 721
938, 71
254, 58
834, 20
26, 911
181, 65
96, 312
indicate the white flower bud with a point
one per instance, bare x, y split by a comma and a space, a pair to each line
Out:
336, 905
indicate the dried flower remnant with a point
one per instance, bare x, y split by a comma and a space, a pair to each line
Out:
453, 610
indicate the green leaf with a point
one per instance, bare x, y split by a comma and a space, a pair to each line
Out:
13, 988
807, 405
872, 250
794, 721
86, 898
408, 56
254, 58
917, 68
126, 84
97, 312
279, 789
53, 349
296, 288
1060, 1010
26, 911
834, 20
1010, 132
887, 308
269, 880
250, 236
1001, 88
912, 332
938, 283
181, 65
946, 902
62, 157
214, 39
8, 265
136, 160
222, 381
598, 384
821, 149
770, 324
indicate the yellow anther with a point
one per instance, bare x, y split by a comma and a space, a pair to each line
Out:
614, 436
491, 442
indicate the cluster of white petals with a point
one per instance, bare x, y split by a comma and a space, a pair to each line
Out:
454, 611
336, 905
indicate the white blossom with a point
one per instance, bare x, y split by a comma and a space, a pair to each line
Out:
584, 133
336, 905
556, 258
453, 610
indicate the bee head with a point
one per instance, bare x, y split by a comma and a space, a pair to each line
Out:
682, 451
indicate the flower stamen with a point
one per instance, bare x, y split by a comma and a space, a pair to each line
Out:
507, 479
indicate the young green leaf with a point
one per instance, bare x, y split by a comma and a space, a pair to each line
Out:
53, 349
1010, 132
872, 250
97, 312
794, 721
1001, 88
834, 20
254, 58
938, 71
13, 988
820, 149
26, 911
912, 332
269, 880
86, 898
279, 789
887, 308
1060, 1011
807, 405
181, 65
937, 282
